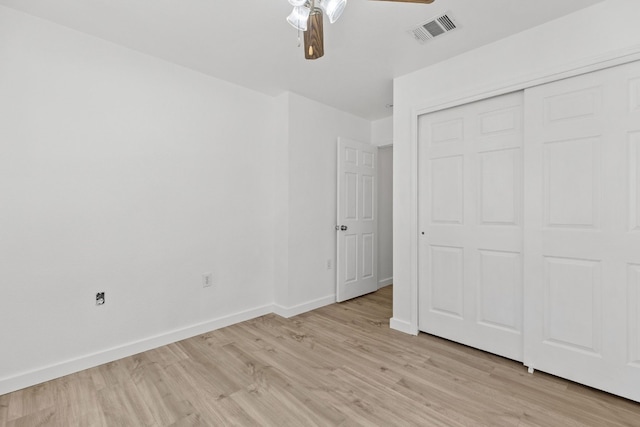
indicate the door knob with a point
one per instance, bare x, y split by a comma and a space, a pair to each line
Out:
341, 227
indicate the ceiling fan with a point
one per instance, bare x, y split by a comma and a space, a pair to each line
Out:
307, 17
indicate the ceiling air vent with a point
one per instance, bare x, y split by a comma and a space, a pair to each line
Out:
434, 28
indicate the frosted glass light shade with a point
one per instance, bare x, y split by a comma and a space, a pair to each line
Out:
297, 2
333, 8
299, 17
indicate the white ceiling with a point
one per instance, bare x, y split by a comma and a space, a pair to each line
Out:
248, 42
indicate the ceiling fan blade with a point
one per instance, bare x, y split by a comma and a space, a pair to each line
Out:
411, 1
314, 36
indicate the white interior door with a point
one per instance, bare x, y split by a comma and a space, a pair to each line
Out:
582, 229
470, 216
357, 219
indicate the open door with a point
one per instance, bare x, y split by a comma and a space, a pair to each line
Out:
357, 219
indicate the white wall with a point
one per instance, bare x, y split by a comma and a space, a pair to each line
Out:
125, 174
385, 216
563, 44
382, 131
310, 182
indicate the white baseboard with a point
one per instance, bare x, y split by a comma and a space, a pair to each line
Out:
37, 376
287, 312
385, 282
403, 326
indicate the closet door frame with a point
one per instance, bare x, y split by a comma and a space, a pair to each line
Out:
564, 71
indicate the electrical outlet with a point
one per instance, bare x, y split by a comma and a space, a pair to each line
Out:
207, 280
100, 298
329, 264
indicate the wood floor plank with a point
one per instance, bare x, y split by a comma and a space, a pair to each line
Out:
4, 408
340, 365
76, 401
122, 405
44, 417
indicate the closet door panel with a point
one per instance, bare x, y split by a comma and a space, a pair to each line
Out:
581, 237
470, 252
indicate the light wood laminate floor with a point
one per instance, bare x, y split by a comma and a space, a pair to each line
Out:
338, 365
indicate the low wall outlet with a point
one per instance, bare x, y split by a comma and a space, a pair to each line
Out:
207, 280
100, 298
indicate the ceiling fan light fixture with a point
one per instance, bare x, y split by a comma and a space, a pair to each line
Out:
299, 17
297, 2
333, 8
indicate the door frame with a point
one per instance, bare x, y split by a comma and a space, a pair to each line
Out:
385, 281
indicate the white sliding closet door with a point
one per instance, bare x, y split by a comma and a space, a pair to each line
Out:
582, 229
470, 253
